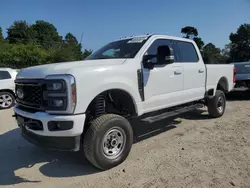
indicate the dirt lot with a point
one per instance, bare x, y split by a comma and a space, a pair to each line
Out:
191, 151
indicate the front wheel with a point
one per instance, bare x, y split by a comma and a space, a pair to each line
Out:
217, 104
108, 141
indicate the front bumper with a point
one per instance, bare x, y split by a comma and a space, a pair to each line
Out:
35, 128
50, 142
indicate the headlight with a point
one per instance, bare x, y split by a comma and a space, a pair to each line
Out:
60, 94
54, 86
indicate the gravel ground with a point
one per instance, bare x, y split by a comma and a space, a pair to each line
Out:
190, 151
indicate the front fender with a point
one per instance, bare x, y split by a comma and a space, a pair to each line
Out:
85, 96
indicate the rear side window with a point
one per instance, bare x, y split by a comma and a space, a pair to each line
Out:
4, 75
187, 52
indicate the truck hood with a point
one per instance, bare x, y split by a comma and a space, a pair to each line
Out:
43, 71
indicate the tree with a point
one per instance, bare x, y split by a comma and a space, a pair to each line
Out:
70, 50
192, 33
212, 54
86, 53
36, 44
1, 34
74, 46
199, 42
19, 32
225, 52
45, 34
22, 55
71, 39
240, 44
189, 31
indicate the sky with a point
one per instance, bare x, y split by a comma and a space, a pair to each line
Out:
100, 22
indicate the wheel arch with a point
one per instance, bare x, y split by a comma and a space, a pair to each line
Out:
223, 85
9, 91
131, 99
128, 100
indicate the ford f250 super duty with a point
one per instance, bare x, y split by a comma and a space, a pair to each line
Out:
87, 104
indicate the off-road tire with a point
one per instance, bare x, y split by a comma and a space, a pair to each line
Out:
12, 98
93, 140
213, 102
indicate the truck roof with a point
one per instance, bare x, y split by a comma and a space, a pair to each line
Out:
8, 69
5, 69
157, 36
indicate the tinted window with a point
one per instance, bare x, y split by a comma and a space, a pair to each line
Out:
152, 50
242, 69
4, 75
127, 48
187, 52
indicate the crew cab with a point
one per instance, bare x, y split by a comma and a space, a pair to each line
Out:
7, 87
88, 104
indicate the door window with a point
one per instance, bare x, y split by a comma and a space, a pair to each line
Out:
154, 48
187, 52
4, 75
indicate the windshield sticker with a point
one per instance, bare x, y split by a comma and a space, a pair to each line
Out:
137, 39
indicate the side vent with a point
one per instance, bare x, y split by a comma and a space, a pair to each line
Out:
99, 105
140, 83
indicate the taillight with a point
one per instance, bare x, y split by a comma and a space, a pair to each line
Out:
234, 75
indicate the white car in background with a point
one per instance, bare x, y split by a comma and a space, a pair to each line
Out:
7, 87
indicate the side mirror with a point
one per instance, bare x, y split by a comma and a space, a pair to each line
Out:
169, 59
147, 61
165, 55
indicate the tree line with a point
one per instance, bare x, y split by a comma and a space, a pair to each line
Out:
37, 44
238, 50
40, 43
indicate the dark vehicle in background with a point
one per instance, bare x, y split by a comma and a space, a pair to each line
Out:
242, 74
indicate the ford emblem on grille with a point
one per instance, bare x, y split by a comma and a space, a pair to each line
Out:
20, 93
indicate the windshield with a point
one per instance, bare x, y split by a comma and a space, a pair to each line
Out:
243, 69
127, 48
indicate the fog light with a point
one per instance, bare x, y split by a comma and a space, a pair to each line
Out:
56, 103
60, 125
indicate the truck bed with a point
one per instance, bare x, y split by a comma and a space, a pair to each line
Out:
217, 71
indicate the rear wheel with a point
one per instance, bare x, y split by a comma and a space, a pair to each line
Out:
217, 104
108, 141
6, 100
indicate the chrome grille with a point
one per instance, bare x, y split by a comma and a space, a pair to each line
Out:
32, 94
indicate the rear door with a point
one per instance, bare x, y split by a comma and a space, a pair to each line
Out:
193, 68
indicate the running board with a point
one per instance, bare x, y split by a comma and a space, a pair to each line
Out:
172, 113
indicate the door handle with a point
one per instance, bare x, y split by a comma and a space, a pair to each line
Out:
176, 72
201, 70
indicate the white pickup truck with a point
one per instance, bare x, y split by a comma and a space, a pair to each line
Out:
87, 104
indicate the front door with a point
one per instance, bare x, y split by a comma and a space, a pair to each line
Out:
163, 85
